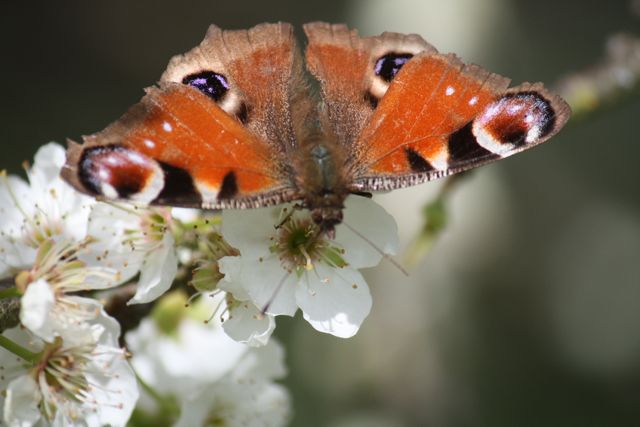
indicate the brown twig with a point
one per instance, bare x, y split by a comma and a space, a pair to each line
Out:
615, 78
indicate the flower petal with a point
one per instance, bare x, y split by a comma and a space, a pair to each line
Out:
11, 218
116, 387
249, 230
185, 214
372, 221
231, 267
265, 283
238, 405
264, 363
67, 211
117, 393
108, 226
36, 307
46, 208
178, 364
16, 253
157, 273
47, 164
21, 404
335, 301
246, 324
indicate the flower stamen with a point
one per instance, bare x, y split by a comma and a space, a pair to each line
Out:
67, 379
300, 244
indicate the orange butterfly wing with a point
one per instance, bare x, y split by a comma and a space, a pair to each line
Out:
214, 134
177, 147
441, 116
344, 64
231, 124
413, 115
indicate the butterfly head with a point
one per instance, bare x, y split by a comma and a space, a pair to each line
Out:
326, 218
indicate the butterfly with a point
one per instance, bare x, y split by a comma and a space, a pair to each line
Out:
234, 123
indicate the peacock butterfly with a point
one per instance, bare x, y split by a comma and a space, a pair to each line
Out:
233, 123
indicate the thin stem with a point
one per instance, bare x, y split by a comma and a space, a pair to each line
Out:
166, 404
9, 293
18, 350
150, 390
435, 215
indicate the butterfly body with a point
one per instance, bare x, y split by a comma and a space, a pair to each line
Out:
323, 190
233, 123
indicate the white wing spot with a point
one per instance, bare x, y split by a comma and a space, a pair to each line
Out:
515, 109
149, 143
135, 157
441, 160
473, 101
450, 90
108, 191
167, 127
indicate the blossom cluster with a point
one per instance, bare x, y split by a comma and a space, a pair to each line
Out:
68, 257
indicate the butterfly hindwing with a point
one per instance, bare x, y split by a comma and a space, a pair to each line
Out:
177, 148
454, 117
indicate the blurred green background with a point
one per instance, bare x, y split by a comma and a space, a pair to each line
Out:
527, 310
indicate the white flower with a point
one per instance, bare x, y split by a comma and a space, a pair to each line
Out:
246, 396
233, 404
137, 239
243, 320
122, 239
296, 266
175, 350
44, 243
19, 407
49, 315
81, 379
212, 377
48, 307
47, 207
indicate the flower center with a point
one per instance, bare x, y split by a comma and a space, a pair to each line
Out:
154, 224
61, 376
57, 262
300, 243
152, 227
73, 379
39, 225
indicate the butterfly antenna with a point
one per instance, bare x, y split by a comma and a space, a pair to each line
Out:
373, 245
274, 295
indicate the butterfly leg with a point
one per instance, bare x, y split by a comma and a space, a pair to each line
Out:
294, 207
365, 194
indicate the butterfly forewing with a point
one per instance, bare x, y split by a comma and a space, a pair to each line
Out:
346, 66
215, 134
261, 74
